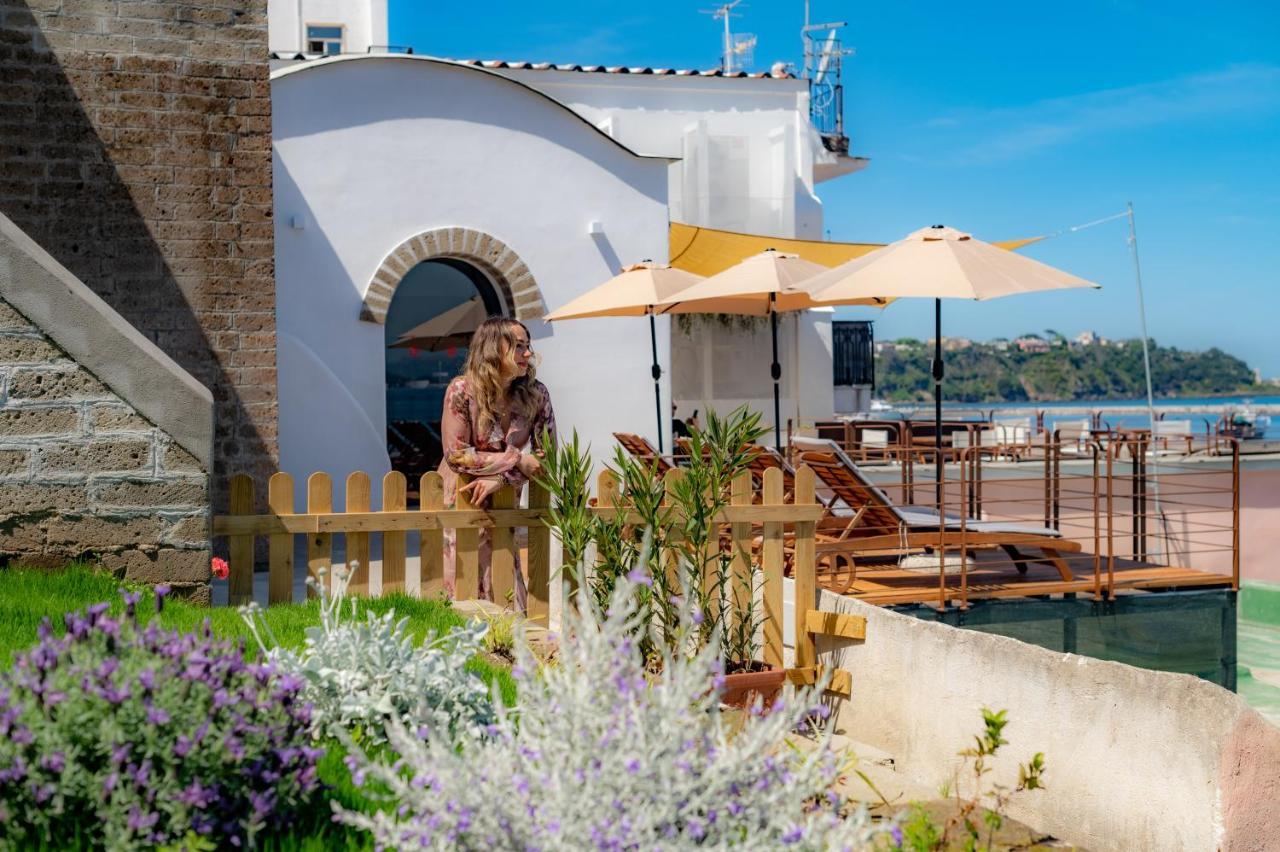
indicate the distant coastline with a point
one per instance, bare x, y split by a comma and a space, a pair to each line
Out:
1052, 369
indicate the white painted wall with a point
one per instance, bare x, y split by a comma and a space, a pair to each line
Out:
364, 23
369, 151
747, 152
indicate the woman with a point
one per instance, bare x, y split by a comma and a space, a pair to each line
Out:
495, 417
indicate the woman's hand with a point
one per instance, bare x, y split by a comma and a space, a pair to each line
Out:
478, 491
530, 465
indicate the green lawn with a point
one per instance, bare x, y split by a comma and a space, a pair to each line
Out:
28, 596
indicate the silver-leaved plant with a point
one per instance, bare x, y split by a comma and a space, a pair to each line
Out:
604, 757
362, 677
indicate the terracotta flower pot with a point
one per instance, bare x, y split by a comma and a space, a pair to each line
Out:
742, 689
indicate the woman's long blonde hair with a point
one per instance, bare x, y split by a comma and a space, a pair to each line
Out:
493, 342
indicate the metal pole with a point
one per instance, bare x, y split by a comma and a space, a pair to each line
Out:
776, 371
1146, 364
656, 371
937, 394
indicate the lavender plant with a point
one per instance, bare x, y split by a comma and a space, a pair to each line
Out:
603, 759
140, 736
358, 675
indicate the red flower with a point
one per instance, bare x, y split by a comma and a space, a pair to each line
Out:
220, 568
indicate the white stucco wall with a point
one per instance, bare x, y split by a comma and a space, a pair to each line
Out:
372, 151
364, 23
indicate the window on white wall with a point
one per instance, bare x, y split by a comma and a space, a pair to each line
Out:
325, 39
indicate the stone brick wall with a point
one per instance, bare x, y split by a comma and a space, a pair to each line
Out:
84, 476
135, 139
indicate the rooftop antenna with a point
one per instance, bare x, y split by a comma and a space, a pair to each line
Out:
730, 48
823, 61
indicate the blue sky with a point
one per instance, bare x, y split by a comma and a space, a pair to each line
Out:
1005, 120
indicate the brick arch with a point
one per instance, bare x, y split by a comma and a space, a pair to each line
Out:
512, 279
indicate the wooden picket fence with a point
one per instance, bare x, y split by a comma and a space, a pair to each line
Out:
762, 525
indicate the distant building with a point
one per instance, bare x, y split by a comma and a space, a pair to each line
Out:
1000, 344
885, 346
314, 28
955, 344
1087, 338
1031, 344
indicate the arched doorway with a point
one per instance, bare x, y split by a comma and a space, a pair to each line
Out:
417, 369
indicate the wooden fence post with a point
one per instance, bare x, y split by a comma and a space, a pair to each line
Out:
319, 545
240, 583
804, 569
358, 496
394, 499
280, 545
741, 581
539, 603
431, 541
502, 560
466, 559
772, 552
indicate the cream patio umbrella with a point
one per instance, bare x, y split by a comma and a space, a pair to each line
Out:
633, 293
453, 327
762, 284
938, 263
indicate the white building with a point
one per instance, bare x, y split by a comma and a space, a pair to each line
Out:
530, 185
326, 27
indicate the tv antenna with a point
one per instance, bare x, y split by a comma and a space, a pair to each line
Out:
732, 49
823, 68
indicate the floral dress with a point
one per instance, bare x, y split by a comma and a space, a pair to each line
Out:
469, 451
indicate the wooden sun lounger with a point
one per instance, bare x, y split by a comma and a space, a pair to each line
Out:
640, 448
879, 525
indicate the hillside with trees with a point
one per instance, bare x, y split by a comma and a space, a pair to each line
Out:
1001, 372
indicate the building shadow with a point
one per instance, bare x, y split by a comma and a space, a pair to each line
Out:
127, 198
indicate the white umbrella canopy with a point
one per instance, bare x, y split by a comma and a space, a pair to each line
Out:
453, 327
764, 283
760, 285
633, 292
937, 263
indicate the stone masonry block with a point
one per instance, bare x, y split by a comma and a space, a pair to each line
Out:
193, 530
11, 320
23, 534
118, 418
55, 383
99, 532
27, 350
14, 462
29, 498
177, 460
188, 491
16, 422
96, 456
166, 565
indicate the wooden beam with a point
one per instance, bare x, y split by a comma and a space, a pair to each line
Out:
838, 624
841, 680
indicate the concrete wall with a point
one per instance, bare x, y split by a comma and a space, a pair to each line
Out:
1136, 759
135, 143
105, 442
372, 152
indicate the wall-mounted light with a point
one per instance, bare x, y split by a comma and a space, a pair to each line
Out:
594, 228
298, 221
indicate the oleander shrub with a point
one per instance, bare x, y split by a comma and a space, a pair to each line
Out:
359, 675
602, 758
127, 736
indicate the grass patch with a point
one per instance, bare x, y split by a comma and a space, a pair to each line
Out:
27, 596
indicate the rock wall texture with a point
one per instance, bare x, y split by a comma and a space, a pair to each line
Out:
84, 476
135, 139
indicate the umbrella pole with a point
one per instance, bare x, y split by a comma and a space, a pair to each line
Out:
776, 371
937, 396
656, 371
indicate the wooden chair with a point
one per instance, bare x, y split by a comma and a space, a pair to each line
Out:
878, 525
640, 448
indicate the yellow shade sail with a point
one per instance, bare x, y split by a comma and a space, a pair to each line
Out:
707, 251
